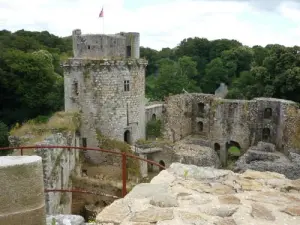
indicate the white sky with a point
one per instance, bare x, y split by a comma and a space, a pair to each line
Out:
161, 23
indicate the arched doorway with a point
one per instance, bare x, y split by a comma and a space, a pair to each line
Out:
161, 162
217, 148
266, 133
233, 150
153, 116
200, 126
127, 137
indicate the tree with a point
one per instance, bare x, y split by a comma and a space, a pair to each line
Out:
215, 73
4, 138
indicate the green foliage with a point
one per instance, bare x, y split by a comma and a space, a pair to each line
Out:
271, 71
133, 166
4, 138
31, 79
154, 129
172, 78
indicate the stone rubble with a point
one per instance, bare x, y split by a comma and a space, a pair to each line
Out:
187, 194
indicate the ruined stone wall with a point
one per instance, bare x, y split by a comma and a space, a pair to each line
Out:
154, 111
99, 94
178, 117
58, 166
226, 122
98, 46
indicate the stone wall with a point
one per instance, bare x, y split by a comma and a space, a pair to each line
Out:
178, 120
154, 111
97, 89
222, 123
58, 166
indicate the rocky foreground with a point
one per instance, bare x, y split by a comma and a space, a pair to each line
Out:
187, 194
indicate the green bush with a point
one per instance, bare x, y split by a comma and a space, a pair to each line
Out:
154, 129
41, 119
4, 139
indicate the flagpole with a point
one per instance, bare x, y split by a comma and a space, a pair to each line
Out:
103, 23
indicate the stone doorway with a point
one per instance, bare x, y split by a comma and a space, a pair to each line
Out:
127, 137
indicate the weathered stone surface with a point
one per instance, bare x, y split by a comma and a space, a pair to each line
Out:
65, 220
199, 199
152, 215
263, 157
259, 211
229, 199
226, 221
293, 210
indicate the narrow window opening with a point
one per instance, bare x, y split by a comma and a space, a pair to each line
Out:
89, 47
84, 142
75, 88
126, 85
128, 51
201, 109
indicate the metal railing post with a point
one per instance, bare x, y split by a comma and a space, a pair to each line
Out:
124, 174
21, 151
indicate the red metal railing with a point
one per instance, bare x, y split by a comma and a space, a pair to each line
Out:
122, 154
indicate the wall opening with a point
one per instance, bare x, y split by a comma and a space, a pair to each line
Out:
89, 47
84, 142
127, 137
61, 177
126, 85
267, 113
217, 148
200, 126
233, 150
128, 51
201, 109
75, 88
266, 133
153, 116
161, 162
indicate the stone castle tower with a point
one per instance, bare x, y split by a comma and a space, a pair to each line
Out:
105, 82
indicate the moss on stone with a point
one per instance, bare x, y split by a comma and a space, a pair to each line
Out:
133, 165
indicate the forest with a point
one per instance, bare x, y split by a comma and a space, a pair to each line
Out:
31, 79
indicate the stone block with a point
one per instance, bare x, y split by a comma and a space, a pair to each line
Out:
22, 191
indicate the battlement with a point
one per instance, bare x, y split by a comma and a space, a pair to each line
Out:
121, 45
94, 63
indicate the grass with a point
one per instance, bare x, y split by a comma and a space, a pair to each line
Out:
38, 131
133, 166
234, 151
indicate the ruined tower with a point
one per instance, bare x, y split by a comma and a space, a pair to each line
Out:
105, 82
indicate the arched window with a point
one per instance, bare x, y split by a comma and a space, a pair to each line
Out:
268, 113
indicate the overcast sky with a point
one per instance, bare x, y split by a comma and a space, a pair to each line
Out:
162, 23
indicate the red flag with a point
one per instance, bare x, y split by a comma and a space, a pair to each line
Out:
101, 13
